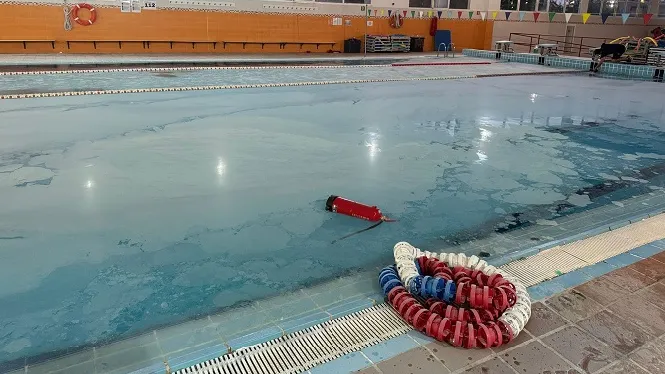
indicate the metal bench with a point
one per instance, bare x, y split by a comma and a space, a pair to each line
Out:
146, 43
25, 42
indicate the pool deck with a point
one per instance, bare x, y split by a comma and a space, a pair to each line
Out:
614, 323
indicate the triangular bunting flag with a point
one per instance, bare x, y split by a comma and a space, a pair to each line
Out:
421, 14
604, 17
429, 14
483, 15
450, 14
494, 14
404, 13
535, 16
375, 11
439, 13
413, 14
522, 16
552, 14
369, 12
624, 17
459, 14
390, 12
381, 12
585, 17
470, 14
647, 18
507, 15
567, 15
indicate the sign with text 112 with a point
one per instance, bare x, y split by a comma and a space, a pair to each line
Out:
149, 5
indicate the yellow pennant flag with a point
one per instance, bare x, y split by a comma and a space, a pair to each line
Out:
430, 13
494, 14
585, 17
381, 12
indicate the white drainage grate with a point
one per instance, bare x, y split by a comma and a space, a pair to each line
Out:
299, 351
302, 350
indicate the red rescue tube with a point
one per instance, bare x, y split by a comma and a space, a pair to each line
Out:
354, 209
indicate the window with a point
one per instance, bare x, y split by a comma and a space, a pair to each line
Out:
528, 5
508, 4
557, 6
420, 3
443, 3
459, 4
542, 6
594, 6
610, 7
572, 6
356, 2
661, 9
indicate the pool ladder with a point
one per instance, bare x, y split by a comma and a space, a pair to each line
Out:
446, 49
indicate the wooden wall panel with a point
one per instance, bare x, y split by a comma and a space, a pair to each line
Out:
25, 22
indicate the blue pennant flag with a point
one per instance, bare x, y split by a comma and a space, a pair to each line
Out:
507, 15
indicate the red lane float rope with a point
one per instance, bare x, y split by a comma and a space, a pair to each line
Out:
467, 317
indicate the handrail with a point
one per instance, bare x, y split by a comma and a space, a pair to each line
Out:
570, 46
438, 49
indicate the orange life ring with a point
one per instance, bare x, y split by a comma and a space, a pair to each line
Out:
75, 14
396, 20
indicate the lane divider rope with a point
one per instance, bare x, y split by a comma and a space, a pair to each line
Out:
441, 63
188, 68
265, 85
195, 68
450, 297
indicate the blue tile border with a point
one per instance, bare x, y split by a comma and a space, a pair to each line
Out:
640, 72
577, 277
391, 348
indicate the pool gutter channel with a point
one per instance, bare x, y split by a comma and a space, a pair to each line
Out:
299, 351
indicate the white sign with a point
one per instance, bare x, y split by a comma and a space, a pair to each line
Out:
136, 6
370, 23
150, 5
126, 6
337, 21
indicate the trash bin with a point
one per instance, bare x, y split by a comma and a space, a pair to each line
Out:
417, 44
352, 45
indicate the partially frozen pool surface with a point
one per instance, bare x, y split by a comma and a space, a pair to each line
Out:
124, 213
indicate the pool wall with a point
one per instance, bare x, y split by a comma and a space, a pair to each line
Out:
219, 27
640, 72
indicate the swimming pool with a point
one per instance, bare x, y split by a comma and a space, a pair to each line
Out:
123, 213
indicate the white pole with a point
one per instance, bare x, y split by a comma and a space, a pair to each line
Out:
365, 41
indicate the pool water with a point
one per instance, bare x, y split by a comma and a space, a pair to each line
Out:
122, 213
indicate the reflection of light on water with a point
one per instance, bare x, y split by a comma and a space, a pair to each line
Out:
373, 148
485, 135
533, 97
372, 145
89, 184
482, 157
220, 167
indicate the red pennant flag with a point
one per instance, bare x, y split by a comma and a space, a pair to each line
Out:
535, 16
459, 14
404, 13
647, 18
